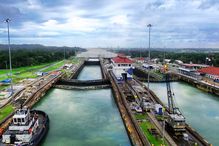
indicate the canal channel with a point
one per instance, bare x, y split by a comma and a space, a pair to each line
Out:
83, 117
201, 109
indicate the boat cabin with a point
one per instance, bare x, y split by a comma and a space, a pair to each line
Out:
21, 117
22, 127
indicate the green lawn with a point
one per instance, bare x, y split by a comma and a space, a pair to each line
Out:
152, 139
140, 116
4, 112
3, 71
17, 78
145, 125
55, 66
20, 70
29, 72
61, 63
20, 76
23, 72
24, 76
75, 60
24, 69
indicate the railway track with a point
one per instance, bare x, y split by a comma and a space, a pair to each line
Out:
139, 138
139, 94
195, 136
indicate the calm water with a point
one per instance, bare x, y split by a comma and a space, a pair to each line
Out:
200, 109
83, 117
91, 72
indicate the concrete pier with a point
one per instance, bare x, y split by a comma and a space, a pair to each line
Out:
198, 83
200, 140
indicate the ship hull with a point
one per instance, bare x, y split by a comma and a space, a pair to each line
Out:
41, 132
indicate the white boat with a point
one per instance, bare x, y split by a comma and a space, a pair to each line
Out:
27, 128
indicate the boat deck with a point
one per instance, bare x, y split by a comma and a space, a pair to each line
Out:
40, 132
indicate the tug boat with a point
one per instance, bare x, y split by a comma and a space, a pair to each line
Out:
28, 128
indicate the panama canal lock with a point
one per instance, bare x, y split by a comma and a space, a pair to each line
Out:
84, 105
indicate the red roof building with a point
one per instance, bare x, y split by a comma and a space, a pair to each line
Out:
210, 70
122, 67
122, 60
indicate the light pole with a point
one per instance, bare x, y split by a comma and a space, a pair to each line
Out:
64, 53
163, 128
149, 53
9, 51
6, 65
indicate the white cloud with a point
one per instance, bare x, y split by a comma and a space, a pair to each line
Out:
48, 34
120, 23
119, 19
34, 4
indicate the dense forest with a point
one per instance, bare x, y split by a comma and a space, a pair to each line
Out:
27, 55
210, 58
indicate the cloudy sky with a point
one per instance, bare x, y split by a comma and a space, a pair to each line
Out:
112, 23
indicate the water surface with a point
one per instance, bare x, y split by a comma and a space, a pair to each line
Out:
201, 109
90, 72
83, 117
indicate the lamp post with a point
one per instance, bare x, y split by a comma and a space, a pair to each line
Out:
64, 53
6, 65
149, 53
9, 51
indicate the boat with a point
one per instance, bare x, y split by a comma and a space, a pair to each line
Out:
28, 128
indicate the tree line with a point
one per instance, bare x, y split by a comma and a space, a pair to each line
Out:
35, 55
210, 58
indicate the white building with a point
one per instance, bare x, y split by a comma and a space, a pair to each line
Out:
178, 62
155, 60
167, 60
140, 60
122, 67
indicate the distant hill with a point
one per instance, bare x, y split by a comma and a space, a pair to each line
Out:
176, 50
35, 54
36, 46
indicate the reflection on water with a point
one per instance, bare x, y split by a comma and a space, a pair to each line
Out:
91, 72
200, 109
83, 118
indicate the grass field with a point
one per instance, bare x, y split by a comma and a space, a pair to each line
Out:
145, 125
24, 69
75, 60
140, 116
29, 72
54, 67
24, 72
61, 63
4, 112
3, 71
